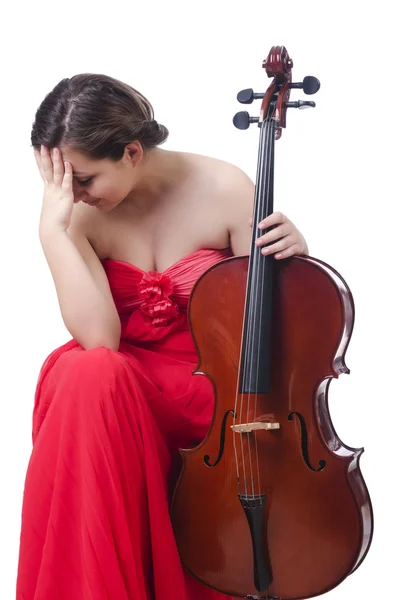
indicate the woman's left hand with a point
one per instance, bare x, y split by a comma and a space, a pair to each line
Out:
290, 241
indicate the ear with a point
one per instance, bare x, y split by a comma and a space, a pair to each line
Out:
133, 152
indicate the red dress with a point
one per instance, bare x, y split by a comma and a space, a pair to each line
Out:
107, 426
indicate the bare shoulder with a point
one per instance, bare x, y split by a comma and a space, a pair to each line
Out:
233, 184
234, 192
225, 171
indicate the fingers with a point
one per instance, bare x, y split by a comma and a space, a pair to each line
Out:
273, 219
291, 251
51, 166
46, 165
67, 182
274, 234
282, 245
282, 231
58, 166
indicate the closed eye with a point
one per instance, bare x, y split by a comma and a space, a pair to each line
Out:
86, 181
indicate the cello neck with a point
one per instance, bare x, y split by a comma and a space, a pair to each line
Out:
263, 204
255, 357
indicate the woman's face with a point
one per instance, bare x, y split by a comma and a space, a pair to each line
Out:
104, 180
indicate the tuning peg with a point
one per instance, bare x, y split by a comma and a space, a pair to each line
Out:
310, 85
242, 120
300, 104
248, 96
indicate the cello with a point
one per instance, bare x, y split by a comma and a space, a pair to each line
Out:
271, 504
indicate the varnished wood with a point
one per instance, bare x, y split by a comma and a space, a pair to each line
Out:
318, 524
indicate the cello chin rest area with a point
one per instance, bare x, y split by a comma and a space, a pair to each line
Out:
247, 427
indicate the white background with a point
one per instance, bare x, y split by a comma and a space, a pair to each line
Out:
335, 178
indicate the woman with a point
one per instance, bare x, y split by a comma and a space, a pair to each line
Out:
127, 228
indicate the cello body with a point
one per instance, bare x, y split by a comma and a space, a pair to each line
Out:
317, 521
271, 504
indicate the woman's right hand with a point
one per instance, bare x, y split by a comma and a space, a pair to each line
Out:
58, 200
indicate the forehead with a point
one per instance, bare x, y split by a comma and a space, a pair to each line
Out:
81, 164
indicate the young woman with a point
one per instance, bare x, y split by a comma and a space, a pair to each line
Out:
127, 228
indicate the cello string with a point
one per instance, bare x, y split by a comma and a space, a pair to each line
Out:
248, 334
260, 275
265, 133
253, 323
253, 296
239, 412
268, 172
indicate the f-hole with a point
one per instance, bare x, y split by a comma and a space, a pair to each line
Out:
222, 440
304, 443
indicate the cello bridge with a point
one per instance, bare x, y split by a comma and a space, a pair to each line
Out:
248, 427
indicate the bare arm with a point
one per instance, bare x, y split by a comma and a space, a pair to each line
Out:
84, 296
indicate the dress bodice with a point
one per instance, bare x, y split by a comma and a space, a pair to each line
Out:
151, 304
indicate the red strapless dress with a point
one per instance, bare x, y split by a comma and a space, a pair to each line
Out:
107, 426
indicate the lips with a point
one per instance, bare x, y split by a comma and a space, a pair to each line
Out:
93, 203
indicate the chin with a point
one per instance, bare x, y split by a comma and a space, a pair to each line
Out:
104, 207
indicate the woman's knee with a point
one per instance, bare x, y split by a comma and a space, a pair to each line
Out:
83, 382
89, 369
100, 357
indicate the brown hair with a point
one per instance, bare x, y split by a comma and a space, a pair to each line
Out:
96, 115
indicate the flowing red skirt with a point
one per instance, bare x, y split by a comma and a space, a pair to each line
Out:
107, 426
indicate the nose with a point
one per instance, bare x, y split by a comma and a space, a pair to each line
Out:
78, 193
